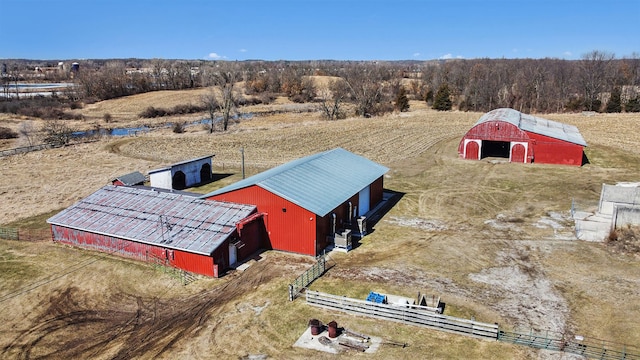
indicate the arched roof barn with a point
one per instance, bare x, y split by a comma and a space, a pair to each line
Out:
524, 138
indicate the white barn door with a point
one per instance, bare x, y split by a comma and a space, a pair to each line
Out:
233, 254
363, 201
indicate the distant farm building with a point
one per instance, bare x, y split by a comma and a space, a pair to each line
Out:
183, 231
508, 133
131, 179
183, 174
312, 202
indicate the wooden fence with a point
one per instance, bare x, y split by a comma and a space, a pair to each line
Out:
38, 147
10, 233
406, 314
307, 277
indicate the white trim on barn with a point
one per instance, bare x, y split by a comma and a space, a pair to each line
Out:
477, 141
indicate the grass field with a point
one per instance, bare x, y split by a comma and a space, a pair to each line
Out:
493, 240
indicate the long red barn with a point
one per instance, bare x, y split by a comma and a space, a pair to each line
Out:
176, 229
522, 138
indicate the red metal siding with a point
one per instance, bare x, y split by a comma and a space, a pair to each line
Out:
289, 227
548, 150
377, 188
196, 263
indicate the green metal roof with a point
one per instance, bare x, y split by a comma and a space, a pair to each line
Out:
318, 183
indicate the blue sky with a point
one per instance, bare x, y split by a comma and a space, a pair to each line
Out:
315, 29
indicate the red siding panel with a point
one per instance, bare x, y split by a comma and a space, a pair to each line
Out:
377, 188
196, 263
548, 150
289, 227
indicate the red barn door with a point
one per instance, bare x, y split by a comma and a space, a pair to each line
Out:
472, 150
517, 153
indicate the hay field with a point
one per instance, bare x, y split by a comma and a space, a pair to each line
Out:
493, 240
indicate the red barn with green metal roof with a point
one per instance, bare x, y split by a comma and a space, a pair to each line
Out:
306, 201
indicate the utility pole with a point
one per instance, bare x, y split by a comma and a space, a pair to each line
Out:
242, 152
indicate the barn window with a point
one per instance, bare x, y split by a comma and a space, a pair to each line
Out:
284, 209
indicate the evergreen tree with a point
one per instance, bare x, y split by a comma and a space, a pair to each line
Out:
442, 100
614, 105
633, 105
402, 101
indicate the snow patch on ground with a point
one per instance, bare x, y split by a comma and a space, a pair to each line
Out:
503, 222
423, 224
522, 293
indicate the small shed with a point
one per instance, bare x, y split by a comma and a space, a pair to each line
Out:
310, 201
179, 230
522, 138
131, 179
183, 174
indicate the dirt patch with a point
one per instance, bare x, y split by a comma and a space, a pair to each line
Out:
126, 325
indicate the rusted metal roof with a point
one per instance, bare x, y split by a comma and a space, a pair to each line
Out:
170, 220
535, 125
319, 182
131, 179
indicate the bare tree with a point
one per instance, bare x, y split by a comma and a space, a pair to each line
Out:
56, 132
210, 102
332, 97
367, 90
594, 68
223, 97
226, 82
27, 131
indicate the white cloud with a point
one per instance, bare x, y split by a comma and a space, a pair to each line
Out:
567, 53
416, 54
450, 56
243, 50
214, 56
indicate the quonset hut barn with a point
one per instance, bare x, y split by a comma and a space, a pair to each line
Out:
199, 236
306, 202
523, 138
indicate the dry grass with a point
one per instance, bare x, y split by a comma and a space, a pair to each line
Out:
493, 240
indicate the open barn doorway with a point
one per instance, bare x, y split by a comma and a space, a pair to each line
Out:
205, 173
179, 181
495, 149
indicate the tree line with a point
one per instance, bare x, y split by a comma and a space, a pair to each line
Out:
597, 82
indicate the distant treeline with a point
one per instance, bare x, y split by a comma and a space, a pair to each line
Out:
597, 82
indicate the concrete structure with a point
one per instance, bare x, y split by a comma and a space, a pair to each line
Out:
183, 174
619, 206
175, 229
522, 138
309, 202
